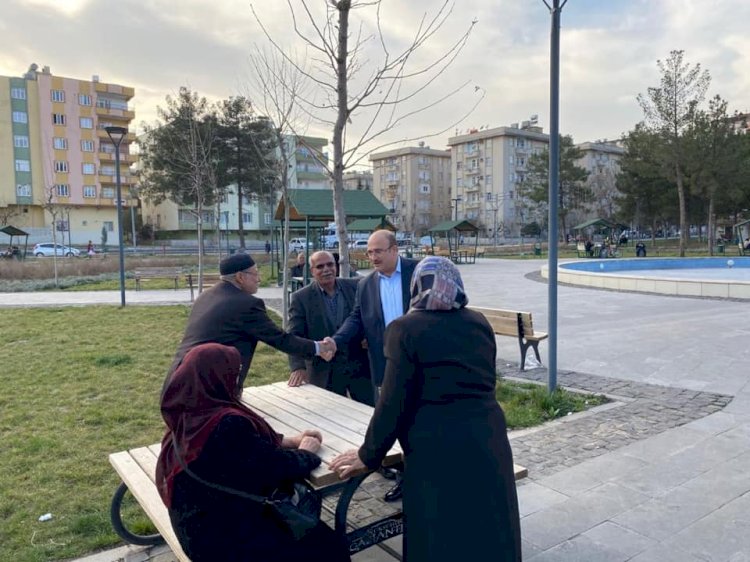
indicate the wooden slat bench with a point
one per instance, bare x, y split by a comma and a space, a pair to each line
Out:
289, 410
209, 280
146, 273
516, 324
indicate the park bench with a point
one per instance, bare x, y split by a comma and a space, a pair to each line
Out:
288, 410
209, 280
146, 273
477, 252
359, 260
515, 324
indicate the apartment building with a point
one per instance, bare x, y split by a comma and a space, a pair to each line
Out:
359, 180
415, 184
56, 158
488, 165
601, 159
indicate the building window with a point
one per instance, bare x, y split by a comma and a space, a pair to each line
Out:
107, 170
20, 117
23, 166
62, 190
23, 190
108, 192
109, 225
20, 141
488, 181
267, 218
247, 218
58, 95
87, 123
18, 93
58, 119
61, 166
89, 191
88, 168
424, 188
60, 143
87, 146
84, 99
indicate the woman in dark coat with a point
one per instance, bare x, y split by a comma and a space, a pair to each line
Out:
438, 400
222, 441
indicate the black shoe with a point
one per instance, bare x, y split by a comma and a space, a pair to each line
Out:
388, 473
394, 493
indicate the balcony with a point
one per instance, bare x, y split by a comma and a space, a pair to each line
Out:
124, 158
472, 171
102, 134
471, 152
125, 114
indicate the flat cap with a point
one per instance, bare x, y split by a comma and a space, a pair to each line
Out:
235, 263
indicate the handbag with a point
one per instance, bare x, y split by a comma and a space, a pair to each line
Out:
299, 512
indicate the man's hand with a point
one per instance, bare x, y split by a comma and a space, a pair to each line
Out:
298, 377
347, 463
309, 443
295, 441
327, 348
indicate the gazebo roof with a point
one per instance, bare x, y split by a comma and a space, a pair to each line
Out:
13, 231
461, 226
595, 222
317, 204
370, 225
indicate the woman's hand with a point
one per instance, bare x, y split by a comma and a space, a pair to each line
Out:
347, 463
294, 441
309, 443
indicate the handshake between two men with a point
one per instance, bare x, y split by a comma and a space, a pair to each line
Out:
326, 350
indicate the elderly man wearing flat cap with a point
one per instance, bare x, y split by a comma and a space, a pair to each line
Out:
229, 314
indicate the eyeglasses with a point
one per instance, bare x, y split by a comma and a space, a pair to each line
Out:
324, 265
377, 252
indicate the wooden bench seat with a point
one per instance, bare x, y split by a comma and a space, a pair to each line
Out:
146, 273
209, 280
515, 324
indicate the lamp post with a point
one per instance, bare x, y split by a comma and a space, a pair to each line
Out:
454, 202
116, 134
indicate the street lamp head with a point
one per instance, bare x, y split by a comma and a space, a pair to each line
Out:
116, 134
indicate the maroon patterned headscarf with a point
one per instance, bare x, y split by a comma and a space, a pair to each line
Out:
200, 392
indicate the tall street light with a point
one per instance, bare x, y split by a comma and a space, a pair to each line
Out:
116, 134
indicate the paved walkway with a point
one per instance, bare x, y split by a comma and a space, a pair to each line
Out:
659, 476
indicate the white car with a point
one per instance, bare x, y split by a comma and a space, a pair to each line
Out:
48, 249
359, 245
298, 244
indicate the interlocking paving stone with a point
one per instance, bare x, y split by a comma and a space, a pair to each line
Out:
648, 410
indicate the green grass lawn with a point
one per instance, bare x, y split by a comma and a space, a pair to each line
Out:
82, 382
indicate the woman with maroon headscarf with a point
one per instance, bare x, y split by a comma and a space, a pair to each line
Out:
221, 441
438, 400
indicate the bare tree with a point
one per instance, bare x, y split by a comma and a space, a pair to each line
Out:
362, 93
50, 204
7, 212
670, 112
279, 85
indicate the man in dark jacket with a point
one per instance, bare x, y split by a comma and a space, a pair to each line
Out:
229, 314
316, 312
382, 297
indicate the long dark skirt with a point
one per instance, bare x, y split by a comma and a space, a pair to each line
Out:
460, 499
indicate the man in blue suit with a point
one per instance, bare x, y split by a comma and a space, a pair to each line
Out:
381, 297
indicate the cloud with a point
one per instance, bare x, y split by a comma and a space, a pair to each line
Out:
608, 52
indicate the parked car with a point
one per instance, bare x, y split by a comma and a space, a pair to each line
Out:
298, 244
359, 245
48, 249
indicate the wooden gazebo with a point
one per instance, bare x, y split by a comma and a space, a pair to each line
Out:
454, 232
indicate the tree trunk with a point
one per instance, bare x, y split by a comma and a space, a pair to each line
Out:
683, 211
711, 225
339, 215
240, 223
283, 267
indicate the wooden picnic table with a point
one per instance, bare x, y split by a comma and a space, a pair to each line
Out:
289, 410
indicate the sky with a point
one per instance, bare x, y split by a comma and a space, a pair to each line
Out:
609, 53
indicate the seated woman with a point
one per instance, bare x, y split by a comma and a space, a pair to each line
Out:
214, 439
438, 400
